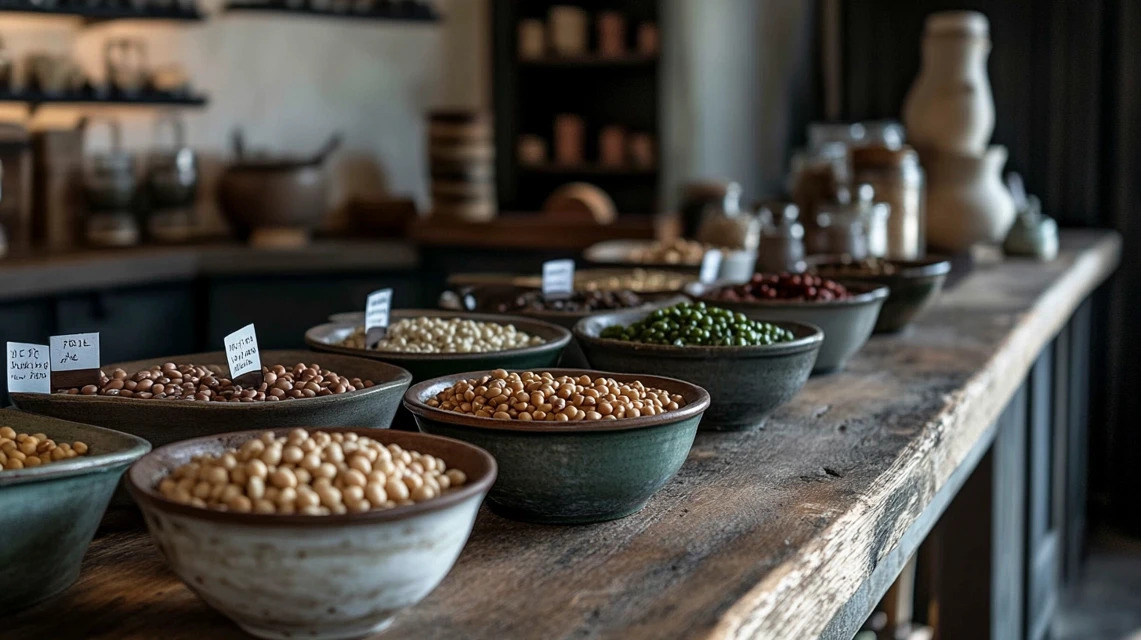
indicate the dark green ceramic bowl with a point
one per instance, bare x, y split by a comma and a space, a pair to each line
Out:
49, 513
847, 324
572, 472
914, 286
425, 366
746, 384
164, 421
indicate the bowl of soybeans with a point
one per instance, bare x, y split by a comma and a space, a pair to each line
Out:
56, 479
312, 533
573, 445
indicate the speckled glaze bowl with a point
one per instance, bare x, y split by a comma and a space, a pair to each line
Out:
162, 421
914, 286
322, 577
572, 472
424, 366
49, 513
847, 324
746, 384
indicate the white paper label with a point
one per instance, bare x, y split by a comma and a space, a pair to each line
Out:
242, 351
710, 266
558, 278
29, 368
75, 352
376, 308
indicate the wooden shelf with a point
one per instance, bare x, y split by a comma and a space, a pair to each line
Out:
36, 98
530, 231
592, 170
103, 13
593, 61
393, 12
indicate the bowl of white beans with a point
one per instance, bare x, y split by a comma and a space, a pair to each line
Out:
306, 533
430, 343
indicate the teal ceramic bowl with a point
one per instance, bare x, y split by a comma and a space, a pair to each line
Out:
746, 384
572, 472
914, 285
49, 513
424, 366
847, 324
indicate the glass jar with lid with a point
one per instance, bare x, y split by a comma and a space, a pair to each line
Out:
898, 181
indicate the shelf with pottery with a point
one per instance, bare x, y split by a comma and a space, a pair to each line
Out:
35, 99
92, 12
814, 514
404, 11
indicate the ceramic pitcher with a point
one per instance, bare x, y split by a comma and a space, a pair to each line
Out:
967, 202
950, 107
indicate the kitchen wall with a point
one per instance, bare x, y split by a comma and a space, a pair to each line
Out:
290, 82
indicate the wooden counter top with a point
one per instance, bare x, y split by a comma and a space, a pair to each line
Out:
767, 534
85, 270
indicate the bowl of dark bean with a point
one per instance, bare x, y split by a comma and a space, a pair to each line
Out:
573, 446
56, 478
431, 343
639, 280
171, 399
312, 533
845, 310
914, 284
749, 367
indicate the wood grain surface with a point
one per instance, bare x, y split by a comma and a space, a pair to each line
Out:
764, 534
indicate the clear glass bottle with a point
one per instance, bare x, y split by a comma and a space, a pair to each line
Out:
898, 181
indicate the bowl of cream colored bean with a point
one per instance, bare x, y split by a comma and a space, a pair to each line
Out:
433, 343
312, 533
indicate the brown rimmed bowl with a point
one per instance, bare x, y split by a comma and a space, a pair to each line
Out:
164, 421
49, 513
423, 366
746, 384
847, 324
914, 285
325, 577
572, 472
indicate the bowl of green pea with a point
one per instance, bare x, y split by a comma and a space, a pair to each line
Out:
749, 367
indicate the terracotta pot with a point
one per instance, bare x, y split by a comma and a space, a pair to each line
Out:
950, 107
967, 203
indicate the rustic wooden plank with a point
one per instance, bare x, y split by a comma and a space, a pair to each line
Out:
763, 534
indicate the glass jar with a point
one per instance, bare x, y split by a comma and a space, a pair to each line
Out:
816, 178
841, 229
898, 181
782, 239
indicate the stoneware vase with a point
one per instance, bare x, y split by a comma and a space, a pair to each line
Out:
950, 107
967, 203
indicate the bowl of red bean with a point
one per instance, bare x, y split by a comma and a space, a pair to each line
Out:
573, 445
312, 533
170, 399
845, 310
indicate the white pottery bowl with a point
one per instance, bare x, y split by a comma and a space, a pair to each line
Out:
322, 577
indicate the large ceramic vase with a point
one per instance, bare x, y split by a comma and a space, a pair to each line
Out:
967, 202
950, 107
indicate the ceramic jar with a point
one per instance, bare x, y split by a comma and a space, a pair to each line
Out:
950, 107
967, 202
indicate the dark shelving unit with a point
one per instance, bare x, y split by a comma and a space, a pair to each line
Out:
528, 94
385, 11
35, 99
98, 13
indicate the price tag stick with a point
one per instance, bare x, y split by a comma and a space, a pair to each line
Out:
29, 368
376, 312
558, 279
243, 357
74, 360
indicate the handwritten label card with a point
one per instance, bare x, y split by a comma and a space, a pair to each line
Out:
710, 266
29, 368
74, 360
376, 310
242, 353
558, 278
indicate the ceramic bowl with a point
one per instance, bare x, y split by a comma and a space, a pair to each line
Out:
423, 366
323, 577
736, 266
162, 422
49, 513
746, 384
572, 472
639, 279
847, 324
914, 287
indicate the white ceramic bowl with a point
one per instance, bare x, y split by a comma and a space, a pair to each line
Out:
321, 577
